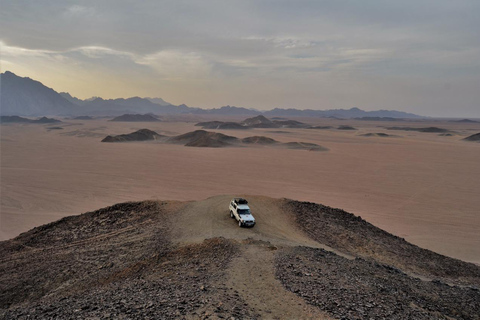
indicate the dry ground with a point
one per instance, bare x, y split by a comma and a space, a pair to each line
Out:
420, 186
190, 260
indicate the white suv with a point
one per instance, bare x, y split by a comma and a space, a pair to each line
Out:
240, 210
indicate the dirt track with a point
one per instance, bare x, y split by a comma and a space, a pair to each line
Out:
210, 218
253, 274
191, 260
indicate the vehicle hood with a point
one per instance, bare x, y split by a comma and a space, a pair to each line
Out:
247, 217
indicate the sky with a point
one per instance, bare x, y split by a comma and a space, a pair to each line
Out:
420, 56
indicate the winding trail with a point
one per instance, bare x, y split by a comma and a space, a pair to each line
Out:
252, 274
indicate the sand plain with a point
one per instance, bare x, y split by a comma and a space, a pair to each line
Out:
420, 186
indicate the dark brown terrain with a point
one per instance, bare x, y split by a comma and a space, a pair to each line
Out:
254, 122
140, 135
259, 140
221, 125
136, 118
208, 139
190, 260
474, 137
427, 129
202, 138
378, 134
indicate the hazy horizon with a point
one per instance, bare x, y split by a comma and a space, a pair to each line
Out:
417, 57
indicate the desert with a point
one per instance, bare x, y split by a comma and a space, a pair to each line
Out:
419, 186
239, 160
129, 219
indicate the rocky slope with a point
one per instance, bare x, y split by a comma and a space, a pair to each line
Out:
202, 138
139, 135
190, 260
474, 137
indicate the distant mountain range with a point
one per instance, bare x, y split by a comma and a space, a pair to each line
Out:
26, 97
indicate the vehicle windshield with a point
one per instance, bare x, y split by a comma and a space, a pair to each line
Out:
243, 211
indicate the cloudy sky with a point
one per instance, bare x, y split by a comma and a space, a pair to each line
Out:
411, 55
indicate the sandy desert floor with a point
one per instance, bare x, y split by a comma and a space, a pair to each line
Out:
420, 186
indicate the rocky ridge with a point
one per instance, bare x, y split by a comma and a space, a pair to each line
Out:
133, 261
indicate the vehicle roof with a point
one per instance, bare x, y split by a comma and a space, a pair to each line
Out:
240, 200
243, 206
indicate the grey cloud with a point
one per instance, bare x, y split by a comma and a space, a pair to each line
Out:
284, 43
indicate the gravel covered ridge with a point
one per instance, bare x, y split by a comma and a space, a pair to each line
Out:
360, 289
78, 252
116, 263
184, 283
85, 226
351, 234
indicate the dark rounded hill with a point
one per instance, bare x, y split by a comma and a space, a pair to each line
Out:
474, 137
136, 118
259, 122
290, 124
426, 129
140, 135
221, 125
259, 140
202, 138
378, 134
465, 121
46, 120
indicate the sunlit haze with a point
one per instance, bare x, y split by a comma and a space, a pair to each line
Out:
414, 56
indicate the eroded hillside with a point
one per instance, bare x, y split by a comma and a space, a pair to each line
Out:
166, 259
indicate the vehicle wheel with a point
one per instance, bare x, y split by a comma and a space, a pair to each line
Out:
239, 223
231, 214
